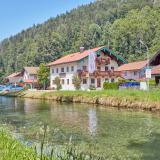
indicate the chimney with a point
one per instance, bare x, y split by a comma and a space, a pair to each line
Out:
81, 49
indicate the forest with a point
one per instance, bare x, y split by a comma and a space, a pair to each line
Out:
117, 24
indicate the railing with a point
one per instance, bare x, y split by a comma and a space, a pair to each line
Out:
99, 73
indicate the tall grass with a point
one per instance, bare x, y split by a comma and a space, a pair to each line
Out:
12, 149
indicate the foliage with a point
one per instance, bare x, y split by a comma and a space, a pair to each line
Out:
119, 24
57, 82
1, 77
112, 85
77, 82
11, 149
92, 87
43, 75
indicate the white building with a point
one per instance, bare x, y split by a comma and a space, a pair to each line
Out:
133, 70
77, 64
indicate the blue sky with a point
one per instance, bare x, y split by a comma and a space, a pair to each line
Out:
16, 15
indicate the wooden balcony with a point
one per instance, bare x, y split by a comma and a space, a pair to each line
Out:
100, 74
105, 60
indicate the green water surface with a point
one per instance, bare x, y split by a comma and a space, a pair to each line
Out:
115, 134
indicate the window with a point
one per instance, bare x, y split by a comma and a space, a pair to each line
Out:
106, 80
67, 69
57, 70
106, 68
135, 73
92, 81
112, 68
112, 80
72, 68
62, 81
72, 81
62, 70
85, 68
84, 81
52, 71
125, 73
67, 81
98, 68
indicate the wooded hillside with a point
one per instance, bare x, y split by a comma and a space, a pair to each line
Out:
119, 24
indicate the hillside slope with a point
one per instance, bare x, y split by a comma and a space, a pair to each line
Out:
116, 23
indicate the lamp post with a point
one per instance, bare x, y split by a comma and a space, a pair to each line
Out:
147, 60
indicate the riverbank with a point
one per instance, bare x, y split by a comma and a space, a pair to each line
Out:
11, 149
130, 99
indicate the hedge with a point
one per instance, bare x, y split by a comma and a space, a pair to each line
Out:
112, 85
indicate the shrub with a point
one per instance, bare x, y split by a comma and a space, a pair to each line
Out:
57, 81
77, 82
113, 85
92, 87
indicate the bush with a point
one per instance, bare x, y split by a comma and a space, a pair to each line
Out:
92, 87
113, 85
77, 82
57, 81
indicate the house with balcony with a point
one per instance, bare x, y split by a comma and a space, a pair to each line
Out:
105, 63
30, 76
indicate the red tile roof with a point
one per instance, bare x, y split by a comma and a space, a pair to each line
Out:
133, 66
14, 75
31, 70
156, 70
73, 57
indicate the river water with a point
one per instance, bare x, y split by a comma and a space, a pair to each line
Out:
117, 134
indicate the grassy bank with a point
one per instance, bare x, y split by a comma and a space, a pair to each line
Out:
135, 99
12, 149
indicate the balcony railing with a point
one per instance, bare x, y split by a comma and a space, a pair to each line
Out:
99, 73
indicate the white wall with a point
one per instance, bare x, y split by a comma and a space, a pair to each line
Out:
136, 75
77, 66
69, 75
28, 76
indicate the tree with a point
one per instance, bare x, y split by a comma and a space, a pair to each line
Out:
57, 81
77, 82
43, 75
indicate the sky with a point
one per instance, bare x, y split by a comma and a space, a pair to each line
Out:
17, 15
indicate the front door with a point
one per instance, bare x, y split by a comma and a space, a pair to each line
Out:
98, 83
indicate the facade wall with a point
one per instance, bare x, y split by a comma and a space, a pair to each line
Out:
15, 79
28, 76
135, 75
67, 76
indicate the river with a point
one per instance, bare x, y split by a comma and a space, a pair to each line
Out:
117, 134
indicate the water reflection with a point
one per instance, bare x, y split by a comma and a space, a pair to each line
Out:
92, 121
